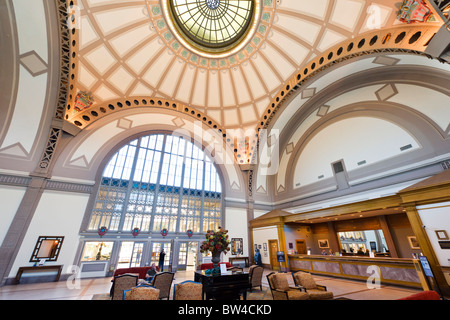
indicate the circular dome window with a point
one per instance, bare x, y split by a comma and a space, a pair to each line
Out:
213, 26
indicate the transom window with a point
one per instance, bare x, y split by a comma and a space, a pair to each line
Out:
158, 182
213, 23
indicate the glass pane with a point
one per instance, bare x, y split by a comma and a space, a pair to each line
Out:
213, 22
97, 251
363, 242
182, 256
178, 182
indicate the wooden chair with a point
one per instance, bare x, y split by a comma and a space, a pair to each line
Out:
281, 290
305, 281
255, 275
163, 282
188, 290
121, 283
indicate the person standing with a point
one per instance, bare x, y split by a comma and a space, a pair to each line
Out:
162, 254
258, 259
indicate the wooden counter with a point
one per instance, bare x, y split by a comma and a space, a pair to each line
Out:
392, 270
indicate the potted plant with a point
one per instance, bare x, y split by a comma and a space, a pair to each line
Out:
216, 242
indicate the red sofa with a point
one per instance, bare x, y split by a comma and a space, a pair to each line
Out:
142, 271
425, 295
206, 266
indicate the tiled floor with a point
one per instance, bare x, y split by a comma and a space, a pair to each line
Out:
85, 289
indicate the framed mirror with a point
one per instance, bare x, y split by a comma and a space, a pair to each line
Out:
47, 248
237, 245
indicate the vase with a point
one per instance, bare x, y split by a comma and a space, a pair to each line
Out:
216, 258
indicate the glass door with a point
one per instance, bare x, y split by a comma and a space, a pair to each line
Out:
130, 254
187, 255
156, 250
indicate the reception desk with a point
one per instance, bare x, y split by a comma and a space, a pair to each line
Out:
392, 270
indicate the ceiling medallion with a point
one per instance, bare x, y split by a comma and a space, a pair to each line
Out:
212, 28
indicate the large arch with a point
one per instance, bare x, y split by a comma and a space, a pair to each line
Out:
377, 79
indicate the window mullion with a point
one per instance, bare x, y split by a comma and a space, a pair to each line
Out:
180, 193
130, 185
158, 179
202, 212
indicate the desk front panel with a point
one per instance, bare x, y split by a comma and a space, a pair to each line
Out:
393, 271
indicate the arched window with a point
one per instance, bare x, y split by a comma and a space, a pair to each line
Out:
157, 182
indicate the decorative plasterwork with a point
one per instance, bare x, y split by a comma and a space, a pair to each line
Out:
264, 15
232, 78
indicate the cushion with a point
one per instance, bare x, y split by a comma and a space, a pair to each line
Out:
206, 266
305, 280
142, 293
142, 271
425, 295
297, 295
280, 281
320, 294
188, 291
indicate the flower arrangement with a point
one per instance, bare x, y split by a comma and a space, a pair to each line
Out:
216, 241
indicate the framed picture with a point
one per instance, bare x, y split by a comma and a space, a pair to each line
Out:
414, 244
237, 245
442, 235
323, 243
265, 246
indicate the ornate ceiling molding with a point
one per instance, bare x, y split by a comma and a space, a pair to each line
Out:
403, 38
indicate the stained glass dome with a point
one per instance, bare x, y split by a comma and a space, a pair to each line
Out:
213, 24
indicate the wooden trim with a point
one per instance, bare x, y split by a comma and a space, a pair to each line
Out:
282, 243
375, 204
426, 247
388, 236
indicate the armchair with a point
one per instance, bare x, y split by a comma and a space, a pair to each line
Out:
281, 290
306, 281
163, 282
121, 283
188, 290
255, 275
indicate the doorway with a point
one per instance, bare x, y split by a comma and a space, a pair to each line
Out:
156, 249
187, 256
130, 254
273, 249
300, 246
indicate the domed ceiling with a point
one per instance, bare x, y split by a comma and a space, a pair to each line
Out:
134, 49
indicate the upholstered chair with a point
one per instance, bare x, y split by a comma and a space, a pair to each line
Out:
163, 282
141, 293
255, 275
121, 283
306, 281
188, 290
281, 290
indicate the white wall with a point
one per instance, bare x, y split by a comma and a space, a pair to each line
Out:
10, 198
261, 236
236, 224
258, 213
435, 217
57, 214
298, 233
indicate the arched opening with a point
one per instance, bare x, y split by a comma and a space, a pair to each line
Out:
158, 191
